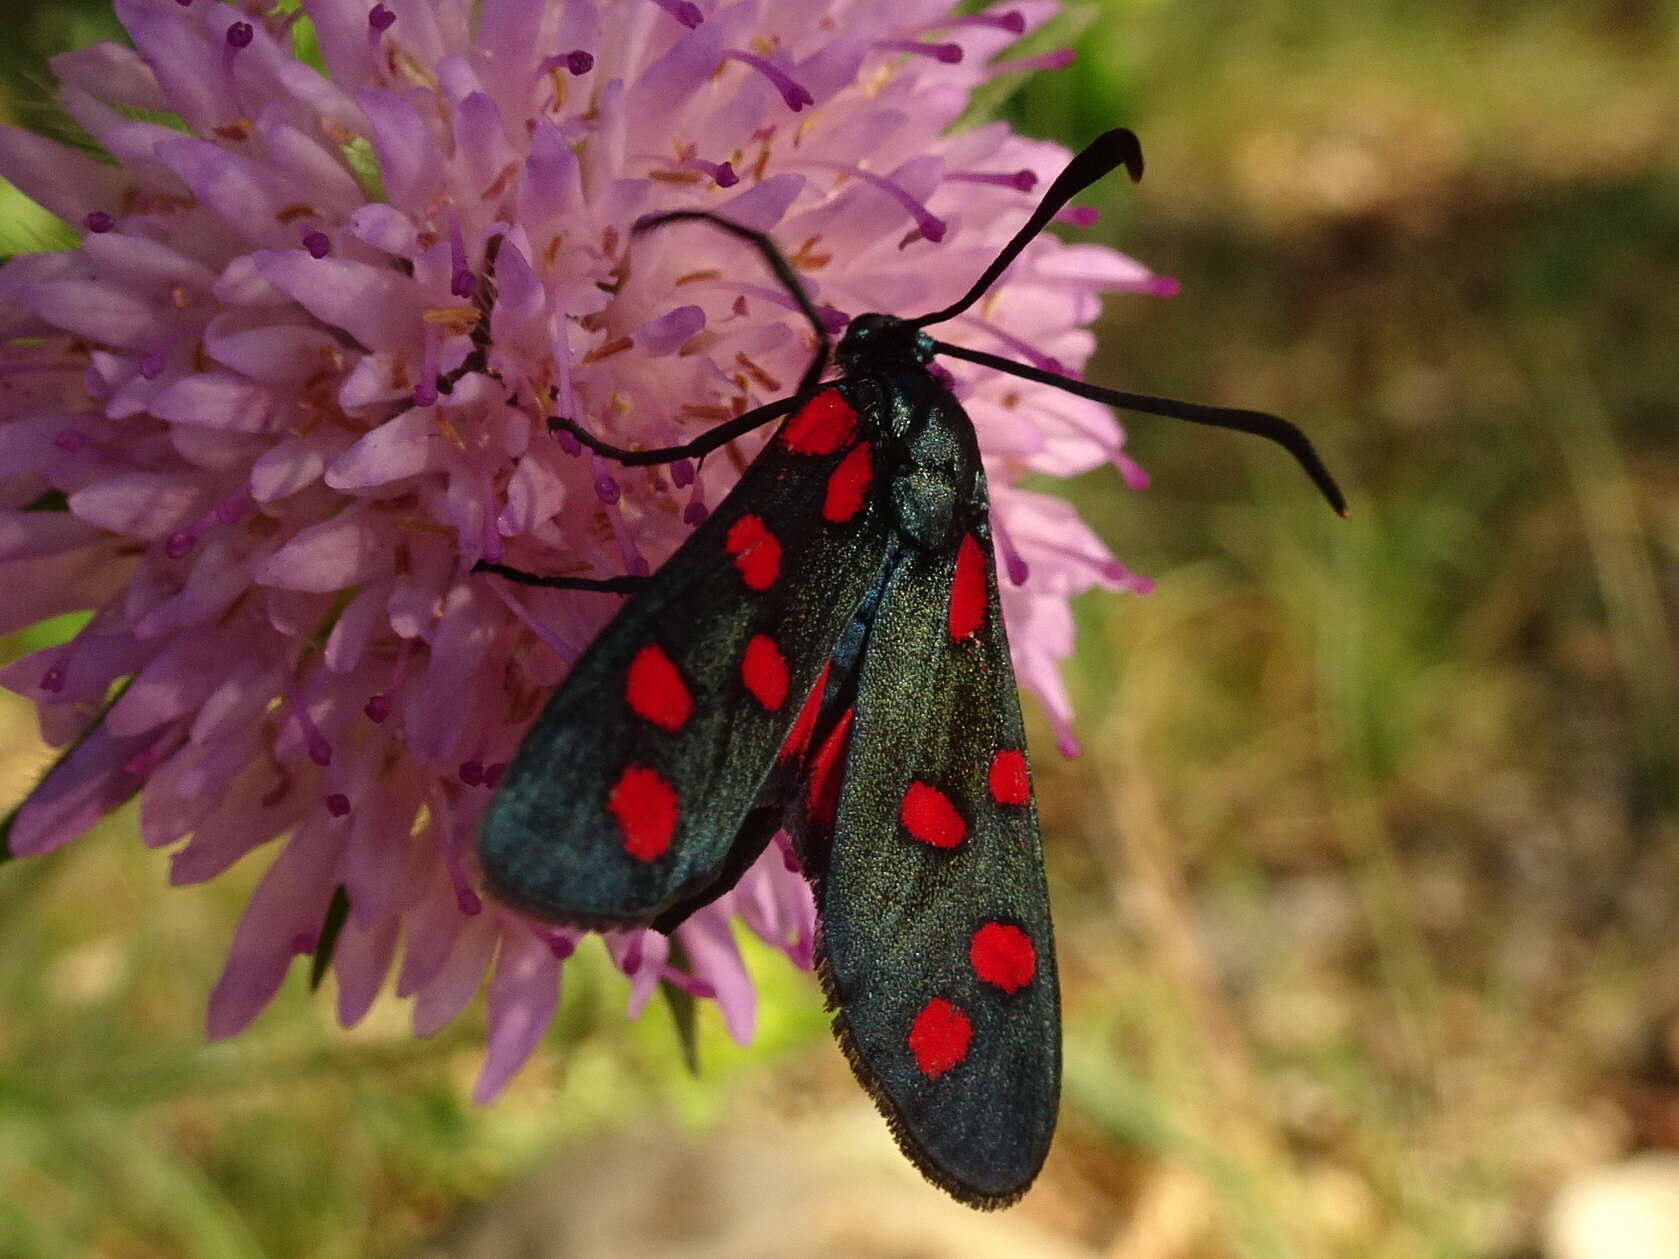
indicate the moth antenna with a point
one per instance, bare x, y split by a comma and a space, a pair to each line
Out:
776, 261
1261, 424
1103, 155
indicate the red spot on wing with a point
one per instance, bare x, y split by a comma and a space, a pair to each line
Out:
939, 1037
764, 671
848, 485
1007, 780
798, 738
756, 552
827, 772
1002, 955
823, 425
967, 591
656, 691
929, 816
645, 806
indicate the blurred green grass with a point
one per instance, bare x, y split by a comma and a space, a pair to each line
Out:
1365, 885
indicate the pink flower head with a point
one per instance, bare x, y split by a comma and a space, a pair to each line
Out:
263, 422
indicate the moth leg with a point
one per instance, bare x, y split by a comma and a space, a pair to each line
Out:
701, 446
625, 585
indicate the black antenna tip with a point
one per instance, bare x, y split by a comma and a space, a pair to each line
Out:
1116, 148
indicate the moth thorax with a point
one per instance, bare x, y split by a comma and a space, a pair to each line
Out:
924, 504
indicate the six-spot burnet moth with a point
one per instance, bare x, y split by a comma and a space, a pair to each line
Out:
826, 653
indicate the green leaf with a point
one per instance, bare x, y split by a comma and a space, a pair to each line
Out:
682, 1009
6, 823
337, 914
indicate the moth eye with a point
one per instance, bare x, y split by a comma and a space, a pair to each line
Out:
967, 591
848, 485
939, 1037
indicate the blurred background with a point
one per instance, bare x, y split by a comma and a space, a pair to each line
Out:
1366, 884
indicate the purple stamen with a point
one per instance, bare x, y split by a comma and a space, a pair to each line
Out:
1012, 21
932, 227
52, 681
950, 54
151, 364
231, 510
240, 35
71, 440
338, 804
1018, 569
143, 762
688, 14
1020, 180
98, 222
833, 320
579, 62
682, 474
320, 751
606, 489
559, 343
462, 282
317, 242
694, 515
377, 709
568, 441
545, 635
631, 962
1043, 362
1078, 215
425, 392
472, 773
693, 986
466, 900
788, 858
561, 946
793, 93
180, 543
1134, 475
720, 173
1060, 59
379, 18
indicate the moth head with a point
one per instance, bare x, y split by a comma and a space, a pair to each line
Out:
877, 340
